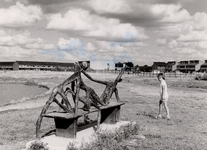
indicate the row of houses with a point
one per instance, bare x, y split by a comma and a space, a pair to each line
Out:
171, 66
182, 66
36, 65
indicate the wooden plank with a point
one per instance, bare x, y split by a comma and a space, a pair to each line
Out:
66, 127
64, 115
60, 115
104, 107
110, 115
112, 105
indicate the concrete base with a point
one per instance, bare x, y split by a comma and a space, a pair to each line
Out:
61, 143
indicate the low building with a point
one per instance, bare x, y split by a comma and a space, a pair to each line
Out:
174, 67
168, 67
182, 66
136, 69
35, 65
145, 68
203, 67
88, 63
158, 66
6, 65
189, 66
171, 66
119, 66
130, 68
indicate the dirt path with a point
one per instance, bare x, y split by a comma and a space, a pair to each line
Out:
25, 105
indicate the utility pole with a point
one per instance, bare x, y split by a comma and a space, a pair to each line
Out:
108, 67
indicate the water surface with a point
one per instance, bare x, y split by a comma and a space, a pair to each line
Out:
11, 92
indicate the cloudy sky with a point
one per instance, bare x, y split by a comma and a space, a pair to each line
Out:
103, 31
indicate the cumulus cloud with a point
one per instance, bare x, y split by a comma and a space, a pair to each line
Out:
2, 33
184, 50
199, 21
75, 19
161, 42
56, 6
23, 39
19, 15
96, 26
193, 36
48, 2
193, 29
186, 37
173, 44
90, 47
74, 47
19, 53
118, 32
99, 50
115, 57
66, 57
44, 46
73, 44
170, 13
8, 0
202, 45
118, 47
109, 6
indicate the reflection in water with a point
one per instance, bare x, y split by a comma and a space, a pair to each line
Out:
10, 92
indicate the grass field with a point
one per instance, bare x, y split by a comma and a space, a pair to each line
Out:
187, 103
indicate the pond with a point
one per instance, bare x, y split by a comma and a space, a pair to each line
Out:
11, 92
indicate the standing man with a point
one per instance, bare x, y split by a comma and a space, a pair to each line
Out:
163, 95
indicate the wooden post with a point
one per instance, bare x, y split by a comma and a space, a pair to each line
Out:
111, 114
65, 123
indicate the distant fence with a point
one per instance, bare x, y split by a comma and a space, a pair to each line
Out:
169, 74
153, 74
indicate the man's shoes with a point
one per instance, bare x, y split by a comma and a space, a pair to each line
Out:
168, 117
159, 117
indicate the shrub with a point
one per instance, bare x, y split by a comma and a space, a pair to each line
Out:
107, 140
205, 76
202, 76
30, 83
38, 145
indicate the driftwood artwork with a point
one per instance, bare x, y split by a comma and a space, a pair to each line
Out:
59, 90
110, 87
90, 98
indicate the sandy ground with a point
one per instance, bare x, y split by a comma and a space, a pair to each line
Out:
187, 104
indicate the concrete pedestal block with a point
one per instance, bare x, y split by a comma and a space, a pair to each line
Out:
60, 143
